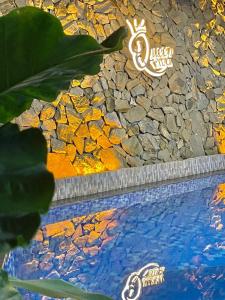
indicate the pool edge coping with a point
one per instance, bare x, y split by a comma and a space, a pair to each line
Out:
108, 182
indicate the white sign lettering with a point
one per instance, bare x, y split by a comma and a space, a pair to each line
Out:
154, 61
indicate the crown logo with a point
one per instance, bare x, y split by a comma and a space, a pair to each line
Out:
137, 27
154, 61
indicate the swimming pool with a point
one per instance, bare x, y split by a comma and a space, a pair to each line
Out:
159, 243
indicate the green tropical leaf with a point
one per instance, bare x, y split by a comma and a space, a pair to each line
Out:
37, 60
26, 187
17, 230
25, 184
7, 291
56, 288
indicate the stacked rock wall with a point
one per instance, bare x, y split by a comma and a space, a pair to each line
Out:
125, 118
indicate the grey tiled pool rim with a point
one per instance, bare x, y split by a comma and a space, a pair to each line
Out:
82, 186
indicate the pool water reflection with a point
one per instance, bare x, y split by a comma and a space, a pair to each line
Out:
162, 243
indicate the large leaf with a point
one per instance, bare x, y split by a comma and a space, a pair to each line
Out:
25, 184
26, 187
17, 230
37, 60
56, 288
7, 291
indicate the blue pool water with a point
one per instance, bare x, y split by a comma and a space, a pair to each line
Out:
162, 243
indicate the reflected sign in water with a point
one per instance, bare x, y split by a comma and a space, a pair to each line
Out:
150, 275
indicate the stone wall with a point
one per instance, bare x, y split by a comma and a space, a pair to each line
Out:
126, 118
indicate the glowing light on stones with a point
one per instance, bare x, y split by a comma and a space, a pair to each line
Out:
150, 275
154, 61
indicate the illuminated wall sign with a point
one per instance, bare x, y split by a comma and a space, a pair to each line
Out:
154, 61
150, 275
